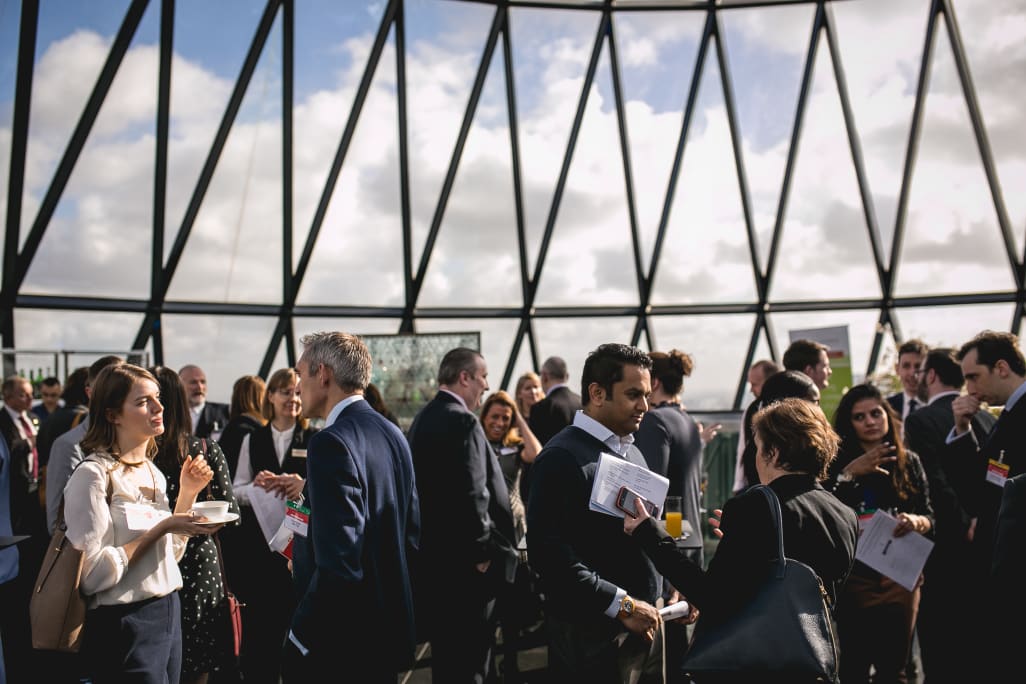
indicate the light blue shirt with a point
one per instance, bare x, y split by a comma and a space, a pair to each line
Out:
339, 407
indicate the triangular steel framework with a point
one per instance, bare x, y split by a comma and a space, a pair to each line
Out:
18, 261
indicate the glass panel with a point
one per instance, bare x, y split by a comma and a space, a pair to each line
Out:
476, 258
824, 250
881, 48
886, 376
861, 329
705, 256
234, 249
766, 50
496, 340
444, 45
523, 364
657, 53
591, 255
992, 32
952, 238
551, 49
202, 81
83, 336
358, 257
225, 347
10, 18
953, 326
574, 338
718, 345
99, 239
355, 326
332, 47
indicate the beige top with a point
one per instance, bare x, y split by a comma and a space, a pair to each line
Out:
101, 530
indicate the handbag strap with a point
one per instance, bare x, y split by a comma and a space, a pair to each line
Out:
217, 540
774, 506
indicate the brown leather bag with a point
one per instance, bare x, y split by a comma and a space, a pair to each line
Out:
57, 608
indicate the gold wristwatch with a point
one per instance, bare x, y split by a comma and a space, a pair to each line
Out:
626, 607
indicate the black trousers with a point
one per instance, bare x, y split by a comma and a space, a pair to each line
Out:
138, 643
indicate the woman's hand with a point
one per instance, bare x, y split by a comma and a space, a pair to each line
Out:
872, 461
910, 522
630, 524
185, 524
195, 475
706, 434
287, 485
714, 522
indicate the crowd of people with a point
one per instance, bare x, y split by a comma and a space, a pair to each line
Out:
353, 543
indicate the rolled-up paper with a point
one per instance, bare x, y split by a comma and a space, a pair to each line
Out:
677, 610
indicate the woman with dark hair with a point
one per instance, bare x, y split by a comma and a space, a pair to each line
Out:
782, 385
272, 458
244, 416
202, 593
874, 471
373, 397
794, 447
118, 513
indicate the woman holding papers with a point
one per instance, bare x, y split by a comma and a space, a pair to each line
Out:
794, 447
874, 471
272, 462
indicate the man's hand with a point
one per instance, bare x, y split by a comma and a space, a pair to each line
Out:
964, 408
644, 621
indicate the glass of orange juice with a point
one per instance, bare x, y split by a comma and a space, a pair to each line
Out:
673, 516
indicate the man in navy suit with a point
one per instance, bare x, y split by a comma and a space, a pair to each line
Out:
468, 551
557, 409
995, 373
356, 615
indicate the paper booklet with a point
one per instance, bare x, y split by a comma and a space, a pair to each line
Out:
614, 472
899, 558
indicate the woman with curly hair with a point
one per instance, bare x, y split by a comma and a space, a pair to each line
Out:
874, 471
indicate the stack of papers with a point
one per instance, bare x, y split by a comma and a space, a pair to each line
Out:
613, 473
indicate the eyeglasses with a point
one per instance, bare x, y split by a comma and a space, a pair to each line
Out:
919, 371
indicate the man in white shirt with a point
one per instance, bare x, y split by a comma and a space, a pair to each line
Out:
910, 358
208, 417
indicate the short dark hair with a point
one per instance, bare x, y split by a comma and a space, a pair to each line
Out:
913, 346
99, 364
50, 382
74, 388
671, 369
604, 366
800, 435
555, 368
788, 384
767, 367
992, 346
942, 361
455, 362
802, 354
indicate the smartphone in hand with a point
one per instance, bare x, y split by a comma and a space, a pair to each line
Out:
625, 502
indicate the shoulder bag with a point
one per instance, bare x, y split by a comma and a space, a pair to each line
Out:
785, 633
57, 607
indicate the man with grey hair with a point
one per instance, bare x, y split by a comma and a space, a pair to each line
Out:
468, 541
364, 521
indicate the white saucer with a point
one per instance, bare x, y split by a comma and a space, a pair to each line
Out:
230, 517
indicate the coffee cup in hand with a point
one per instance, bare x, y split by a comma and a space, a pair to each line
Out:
211, 510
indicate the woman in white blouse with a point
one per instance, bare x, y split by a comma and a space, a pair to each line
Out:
272, 459
116, 511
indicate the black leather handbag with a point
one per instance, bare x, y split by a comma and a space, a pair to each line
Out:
785, 633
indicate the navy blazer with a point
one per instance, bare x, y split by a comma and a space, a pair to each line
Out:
553, 413
364, 523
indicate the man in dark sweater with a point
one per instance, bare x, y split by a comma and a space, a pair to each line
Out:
599, 587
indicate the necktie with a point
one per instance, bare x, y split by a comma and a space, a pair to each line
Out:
913, 404
31, 437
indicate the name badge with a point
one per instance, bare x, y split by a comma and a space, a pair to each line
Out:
997, 472
297, 518
508, 451
141, 517
299, 453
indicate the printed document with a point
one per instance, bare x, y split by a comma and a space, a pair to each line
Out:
614, 472
899, 558
269, 509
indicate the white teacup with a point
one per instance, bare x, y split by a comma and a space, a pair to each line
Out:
211, 510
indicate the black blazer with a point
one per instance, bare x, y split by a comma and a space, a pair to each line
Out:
553, 413
231, 438
819, 530
26, 512
926, 433
464, 504
897, 402
213, 417
968, 457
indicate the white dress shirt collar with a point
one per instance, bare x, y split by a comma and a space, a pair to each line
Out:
618, 444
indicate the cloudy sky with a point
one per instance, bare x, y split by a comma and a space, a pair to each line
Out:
99, 240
